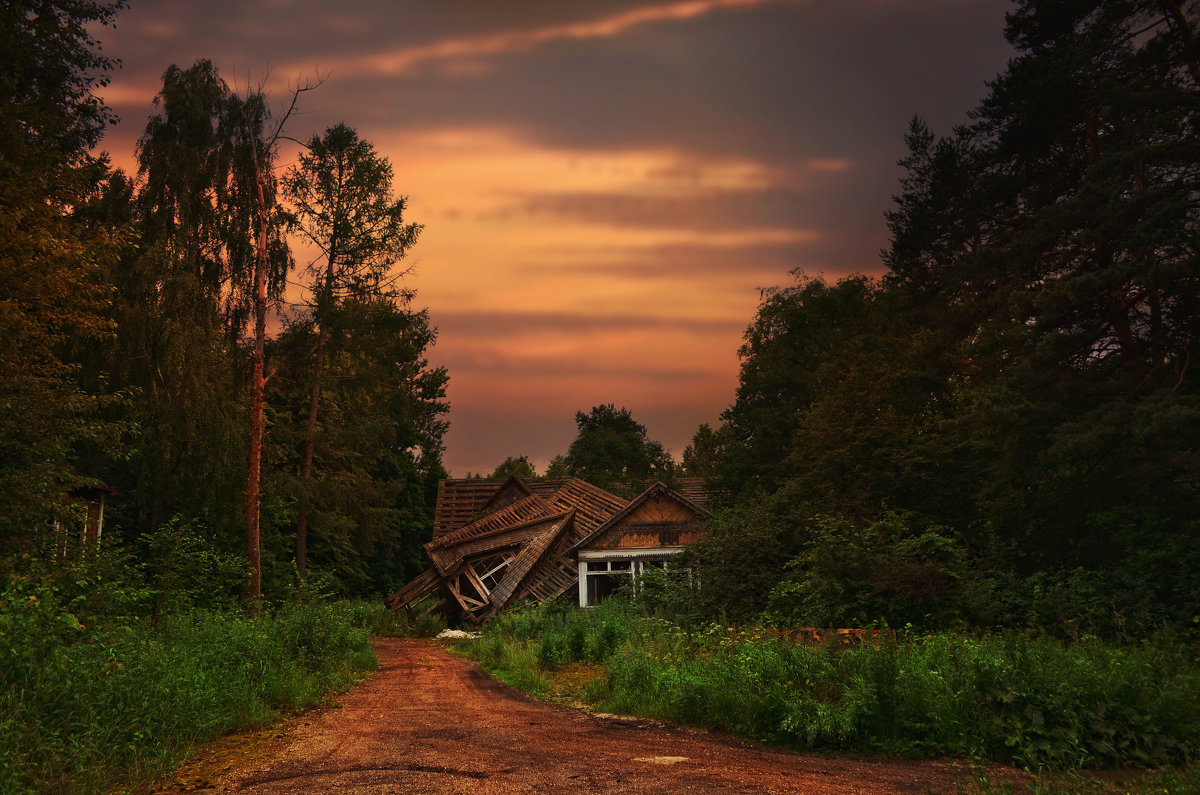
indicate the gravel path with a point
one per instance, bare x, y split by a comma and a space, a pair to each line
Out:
429, 721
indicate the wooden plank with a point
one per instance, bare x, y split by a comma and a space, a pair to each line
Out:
409, 593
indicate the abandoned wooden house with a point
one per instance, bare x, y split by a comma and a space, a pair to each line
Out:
503, 542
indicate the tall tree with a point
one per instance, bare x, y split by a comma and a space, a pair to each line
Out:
1058, 234
51, 277
207, 161
377, 451
342, 203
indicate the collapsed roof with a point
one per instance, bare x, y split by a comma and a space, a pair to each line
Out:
499, 542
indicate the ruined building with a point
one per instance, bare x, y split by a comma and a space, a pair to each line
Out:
498, 543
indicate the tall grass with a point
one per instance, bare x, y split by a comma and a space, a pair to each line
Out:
84, 706
1034, 701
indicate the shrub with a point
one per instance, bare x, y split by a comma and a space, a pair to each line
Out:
82, 705
1041, 703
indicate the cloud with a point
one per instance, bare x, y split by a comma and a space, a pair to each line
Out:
701, 212
462, 55
503, 323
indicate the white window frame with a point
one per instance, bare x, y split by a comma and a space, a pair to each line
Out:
636, 557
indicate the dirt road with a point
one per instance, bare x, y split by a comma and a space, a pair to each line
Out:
428, 721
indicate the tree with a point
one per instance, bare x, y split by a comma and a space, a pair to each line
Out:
1057, 235
515, 467
557, 468
184, 380
341, 195
208, 201
377, 450
52, 290
701, 458
611, 451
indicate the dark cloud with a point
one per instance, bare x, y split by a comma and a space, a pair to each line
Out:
780, 80
580, 366
706, 211
835, 254
777, 81
503, 323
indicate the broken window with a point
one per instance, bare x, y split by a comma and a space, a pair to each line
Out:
490, 570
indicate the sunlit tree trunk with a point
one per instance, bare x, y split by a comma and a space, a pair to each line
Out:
257, 384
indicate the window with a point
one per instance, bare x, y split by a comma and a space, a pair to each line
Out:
605, 578
491, 570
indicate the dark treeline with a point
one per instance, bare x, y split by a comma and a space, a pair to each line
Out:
127, 302
1003, 429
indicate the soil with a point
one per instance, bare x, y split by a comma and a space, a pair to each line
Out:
428, 721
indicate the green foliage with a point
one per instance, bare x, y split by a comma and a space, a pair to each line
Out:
52, 288
1018, 387
428, 625
743, 558
515, 467
84, 704
1035, 702
362, 405
854, 576
1020, 698
377, 449
611, 451
702, 458
186, 571
375, 617
340, 190
199, 193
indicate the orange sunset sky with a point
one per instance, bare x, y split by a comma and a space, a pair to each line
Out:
605, 186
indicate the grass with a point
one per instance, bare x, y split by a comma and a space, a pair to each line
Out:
83, 708
1036, 702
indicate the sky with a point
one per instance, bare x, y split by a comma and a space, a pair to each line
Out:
605, 186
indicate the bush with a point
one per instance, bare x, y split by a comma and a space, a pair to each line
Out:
428, 625
1033, 701
377, 618
1022, 698
83, 705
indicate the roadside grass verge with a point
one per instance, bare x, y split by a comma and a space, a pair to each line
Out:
84, 708
1016, 698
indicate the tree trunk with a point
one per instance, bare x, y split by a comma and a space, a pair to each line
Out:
257, 382
307, 463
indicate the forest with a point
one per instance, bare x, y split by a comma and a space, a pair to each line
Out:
1000, 433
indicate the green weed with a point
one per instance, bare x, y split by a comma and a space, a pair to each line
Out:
1024, 699
84, 705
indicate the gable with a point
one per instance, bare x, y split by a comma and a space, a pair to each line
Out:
459, 501
511, 491
658, 517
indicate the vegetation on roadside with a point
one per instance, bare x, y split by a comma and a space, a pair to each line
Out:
95, 689
1020, 698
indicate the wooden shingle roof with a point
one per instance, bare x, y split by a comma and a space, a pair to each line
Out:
593, 506
461, 501
531, 507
